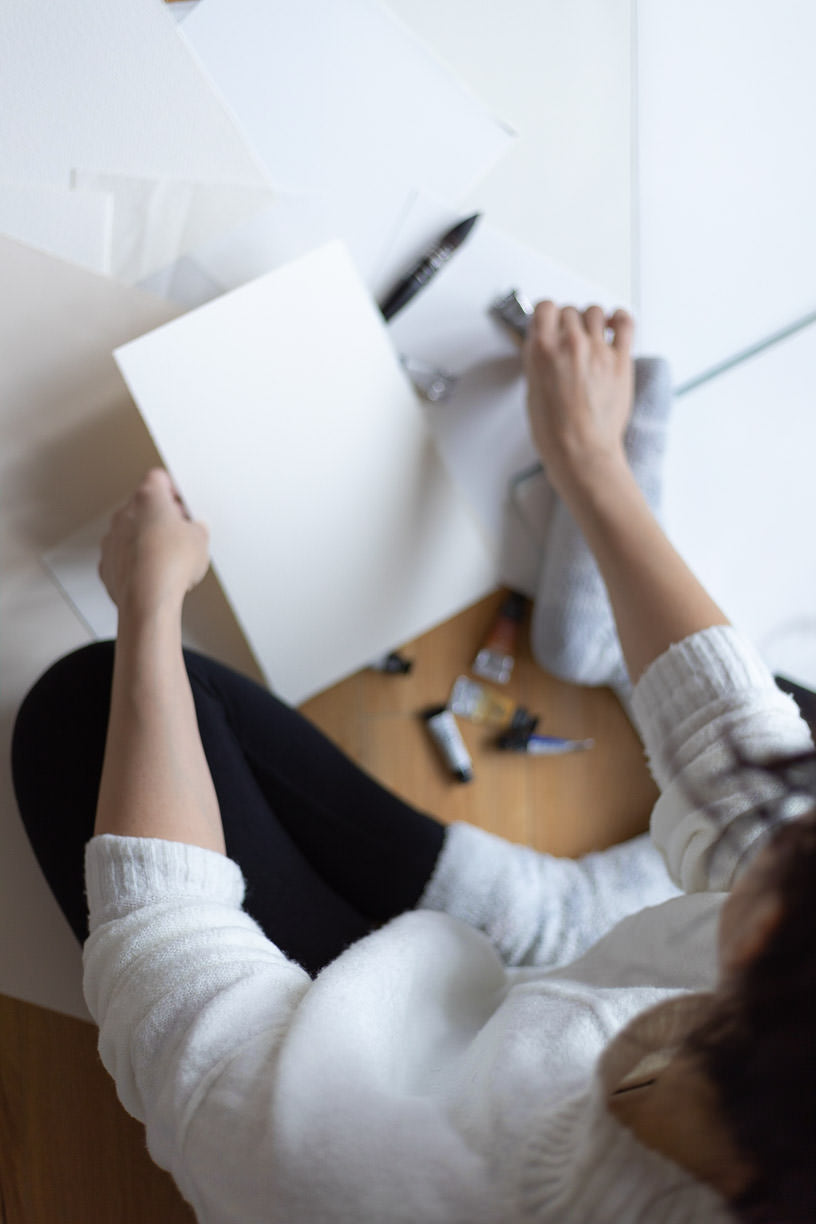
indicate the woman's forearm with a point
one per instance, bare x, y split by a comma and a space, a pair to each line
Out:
155, 777
655, 597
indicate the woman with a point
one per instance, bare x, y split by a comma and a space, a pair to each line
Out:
407, 1023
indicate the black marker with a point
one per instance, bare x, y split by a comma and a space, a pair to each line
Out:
427, 267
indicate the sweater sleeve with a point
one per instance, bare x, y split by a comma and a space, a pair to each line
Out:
699, 701
178, 978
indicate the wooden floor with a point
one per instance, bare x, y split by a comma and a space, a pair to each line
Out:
69, 1154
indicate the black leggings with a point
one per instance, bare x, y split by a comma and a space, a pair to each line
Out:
328, 854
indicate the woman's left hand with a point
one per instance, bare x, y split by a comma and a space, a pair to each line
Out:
153, 553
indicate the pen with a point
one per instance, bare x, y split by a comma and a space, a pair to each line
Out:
427, 267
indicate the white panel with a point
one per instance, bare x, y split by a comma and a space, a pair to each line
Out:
741, 497
726, 106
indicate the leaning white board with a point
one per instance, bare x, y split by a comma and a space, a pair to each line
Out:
740, 498
284, 416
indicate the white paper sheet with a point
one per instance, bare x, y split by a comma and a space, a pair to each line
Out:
329, 93
110, 87
73, 565
58, 221
482, 430
284, 416
726, 97
71, 445
300, 222
155, 223
740, 499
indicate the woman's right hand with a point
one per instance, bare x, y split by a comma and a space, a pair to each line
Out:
153, 553
579, 387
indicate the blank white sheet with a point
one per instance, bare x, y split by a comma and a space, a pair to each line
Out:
283, 414
330, 93
59, 221
110, 87
740, 498
71, 445
726, 98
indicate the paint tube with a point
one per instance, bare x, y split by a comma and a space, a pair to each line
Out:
496, 658
545, 745
480, 704
446, 735
393, 664
514, 310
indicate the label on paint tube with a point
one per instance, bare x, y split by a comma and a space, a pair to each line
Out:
442, 726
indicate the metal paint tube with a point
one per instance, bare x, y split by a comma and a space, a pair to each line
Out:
446, 735
496, 658
433, 384
480, 704
393, 664
514, 310
550, 745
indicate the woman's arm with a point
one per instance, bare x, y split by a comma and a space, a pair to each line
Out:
155, 778
579, 400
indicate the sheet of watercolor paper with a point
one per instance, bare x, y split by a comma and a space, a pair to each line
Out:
110, 87
59, 221
727, 180
740, 498
155, 222
72, 446
283, 413
481, 431
329, 93
71, 443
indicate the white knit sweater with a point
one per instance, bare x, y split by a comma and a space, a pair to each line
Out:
454, 1065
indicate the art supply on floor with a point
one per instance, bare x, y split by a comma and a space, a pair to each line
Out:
481, 704
522, 725
545, 745
393, 664
514, 310
496, 658
446, 735
406, 289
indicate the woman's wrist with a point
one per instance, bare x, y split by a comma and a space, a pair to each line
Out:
581, 476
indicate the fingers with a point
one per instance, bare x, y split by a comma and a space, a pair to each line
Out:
544, 327
595, 322
551, 324
623, 330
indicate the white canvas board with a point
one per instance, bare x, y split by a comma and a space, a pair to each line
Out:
329, 93
71, 446
112, 88
58, 221
740, 498
726, 96
155, 222
284, 416
481, 431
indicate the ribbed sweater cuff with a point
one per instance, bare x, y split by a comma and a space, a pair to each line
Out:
712, 664
124, 873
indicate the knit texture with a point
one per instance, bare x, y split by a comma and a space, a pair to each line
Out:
440, 1071
572, 630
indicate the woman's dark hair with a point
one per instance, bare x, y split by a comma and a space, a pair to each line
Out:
758, 1045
